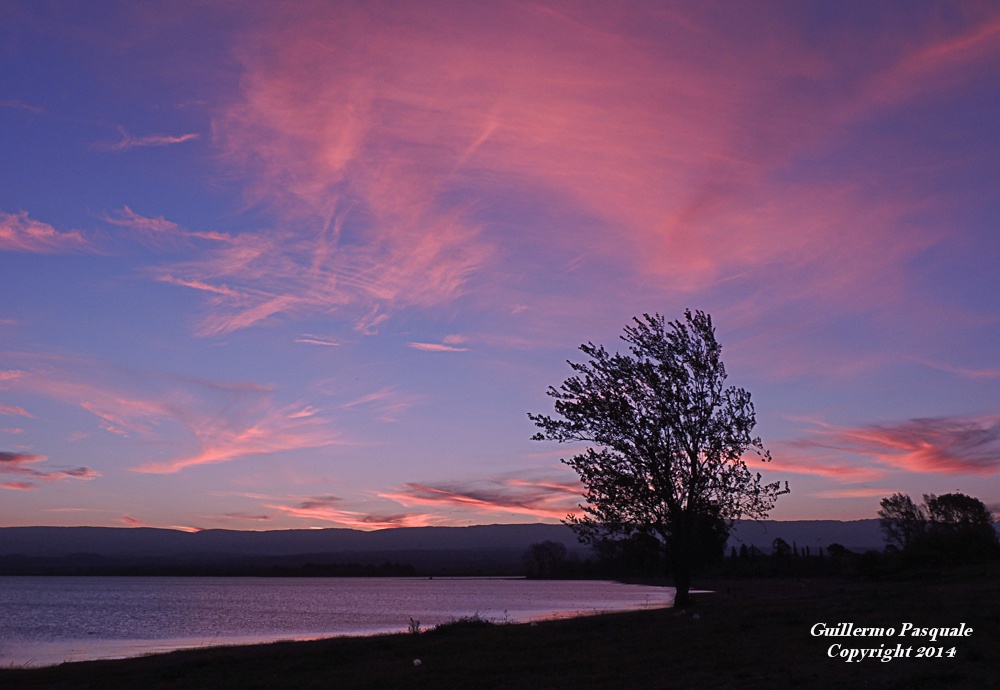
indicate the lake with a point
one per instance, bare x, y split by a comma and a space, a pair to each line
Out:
49, 620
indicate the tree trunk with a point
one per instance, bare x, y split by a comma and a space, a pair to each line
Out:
682, 583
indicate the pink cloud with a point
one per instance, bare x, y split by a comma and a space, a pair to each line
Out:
129, 141
437, 347
387, 403
965, 372
328, 509
679, 160
313, 339
789, 457
225, 421
159, 230
18, 486
940, 445
130, 521
542, 498
939, 62
20, 105
19, 233
273, 431
851, 493
11, 375
18, 463
126, 217
14, 411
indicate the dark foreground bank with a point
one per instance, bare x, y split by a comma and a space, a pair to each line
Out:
747, 634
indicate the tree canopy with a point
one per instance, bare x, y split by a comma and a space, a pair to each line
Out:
668, 441
902, 520
952, 526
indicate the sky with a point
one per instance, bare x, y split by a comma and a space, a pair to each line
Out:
311, 264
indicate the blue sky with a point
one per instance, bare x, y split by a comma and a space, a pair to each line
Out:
312, 266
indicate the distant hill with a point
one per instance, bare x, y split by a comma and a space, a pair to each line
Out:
160, 543
476, 550
855, 535
480, 549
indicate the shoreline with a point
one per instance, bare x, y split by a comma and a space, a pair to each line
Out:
745, 634
33, 654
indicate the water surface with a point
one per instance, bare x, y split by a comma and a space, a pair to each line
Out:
48, 620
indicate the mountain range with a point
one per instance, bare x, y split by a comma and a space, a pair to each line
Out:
479, 549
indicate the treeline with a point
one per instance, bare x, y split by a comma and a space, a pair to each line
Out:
943, 530
948, 528
641, 557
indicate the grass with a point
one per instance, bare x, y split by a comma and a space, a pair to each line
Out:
746, 634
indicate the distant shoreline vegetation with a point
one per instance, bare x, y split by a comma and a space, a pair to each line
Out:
755, 548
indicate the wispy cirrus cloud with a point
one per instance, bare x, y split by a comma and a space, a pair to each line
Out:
10, 375
21, 105
856, 492
801, 458
19, 233
25, 464
159, 231
387, 403
131, 141
130, 521
681, 168
541, 497
965, 372
331, 509
14, 411
18, 486
270, 431
436, 347
938, 445
224, 421
314, 339
937, 63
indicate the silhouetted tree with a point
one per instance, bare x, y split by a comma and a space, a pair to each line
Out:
667, 441
780, 549
902, 520
952, 526
960, 526
638, 554
545, 559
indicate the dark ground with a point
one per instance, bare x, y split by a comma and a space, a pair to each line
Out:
751, 633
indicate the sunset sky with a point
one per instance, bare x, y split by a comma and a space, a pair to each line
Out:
311, 264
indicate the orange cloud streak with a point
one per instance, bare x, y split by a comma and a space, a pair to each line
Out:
540, 498
325, 508
942, 445
223, 440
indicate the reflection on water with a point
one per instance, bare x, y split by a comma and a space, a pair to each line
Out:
48, 620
